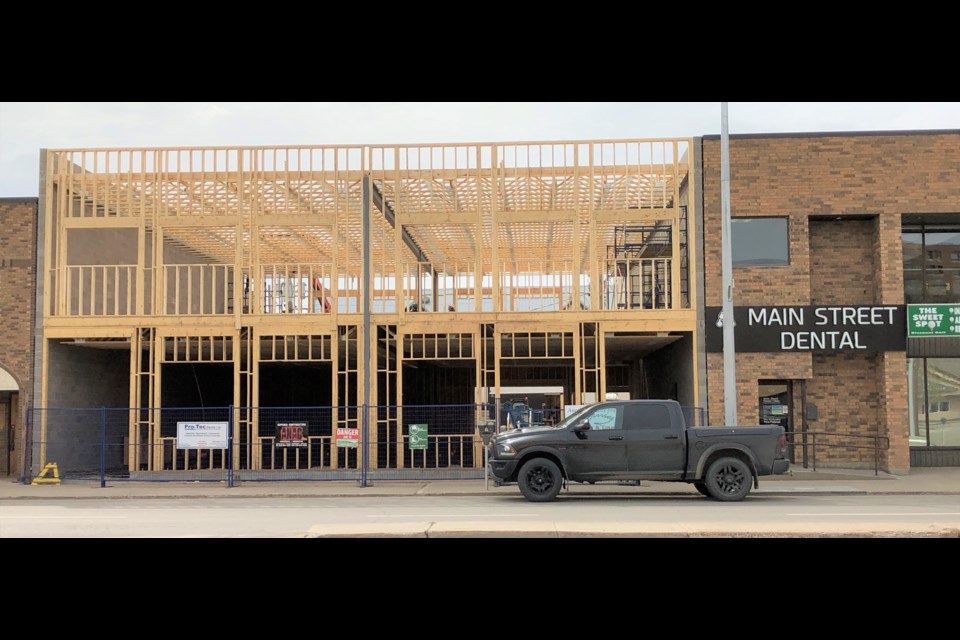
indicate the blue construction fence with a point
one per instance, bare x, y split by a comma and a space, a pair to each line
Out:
233, 444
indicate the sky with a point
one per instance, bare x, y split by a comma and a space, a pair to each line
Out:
26, 127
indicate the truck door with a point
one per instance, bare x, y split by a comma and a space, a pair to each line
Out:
655, 444
601, 450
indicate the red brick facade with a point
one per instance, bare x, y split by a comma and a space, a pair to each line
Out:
844, 196
18, 219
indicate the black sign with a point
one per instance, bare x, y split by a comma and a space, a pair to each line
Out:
811, 329
291, 435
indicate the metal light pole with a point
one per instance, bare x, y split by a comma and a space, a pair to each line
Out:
365, 418
729, 347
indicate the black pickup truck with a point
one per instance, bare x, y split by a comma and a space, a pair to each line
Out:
637, 440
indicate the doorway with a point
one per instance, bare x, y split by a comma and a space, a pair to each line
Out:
776, 403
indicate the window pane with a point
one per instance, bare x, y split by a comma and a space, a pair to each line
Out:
605, 418
646, 416
760, 242
943, 383
917, 403
913, 286
943, 285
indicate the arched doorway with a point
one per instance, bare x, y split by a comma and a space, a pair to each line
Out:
9, 421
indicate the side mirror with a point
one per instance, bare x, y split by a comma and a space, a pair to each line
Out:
583, 425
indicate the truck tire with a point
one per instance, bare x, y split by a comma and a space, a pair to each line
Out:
728, 479
702, 488
540, 480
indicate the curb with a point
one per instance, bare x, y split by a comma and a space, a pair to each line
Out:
610, 494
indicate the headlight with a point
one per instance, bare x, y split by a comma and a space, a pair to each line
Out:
506, 450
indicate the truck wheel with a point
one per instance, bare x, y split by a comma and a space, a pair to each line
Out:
702, 488
728, 480
540, 480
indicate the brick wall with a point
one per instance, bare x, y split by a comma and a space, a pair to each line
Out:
842, 254
18, 218
751, 368
847, 261
845, 389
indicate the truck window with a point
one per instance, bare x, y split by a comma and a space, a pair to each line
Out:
647, 416
606, 418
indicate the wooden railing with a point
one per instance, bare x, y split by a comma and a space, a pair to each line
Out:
445, 452
534, 285
174, 459
296, 288
98, 290
198, 289
637, 283
313, 456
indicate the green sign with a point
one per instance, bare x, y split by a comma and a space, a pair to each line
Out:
418, 436
927, 320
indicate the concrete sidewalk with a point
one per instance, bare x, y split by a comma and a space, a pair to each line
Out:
939, 481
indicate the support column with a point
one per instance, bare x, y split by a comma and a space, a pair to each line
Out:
892, 379
894, 424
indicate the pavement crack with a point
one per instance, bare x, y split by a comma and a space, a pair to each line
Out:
429, 527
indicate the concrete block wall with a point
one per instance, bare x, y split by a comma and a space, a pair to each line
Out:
80, 381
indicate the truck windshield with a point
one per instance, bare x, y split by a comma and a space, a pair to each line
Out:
573, 417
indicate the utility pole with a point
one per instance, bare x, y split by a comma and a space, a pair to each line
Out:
729, 347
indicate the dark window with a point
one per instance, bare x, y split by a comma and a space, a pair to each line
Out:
760, 242
647, 416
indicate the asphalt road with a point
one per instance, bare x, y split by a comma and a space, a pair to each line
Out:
449, 516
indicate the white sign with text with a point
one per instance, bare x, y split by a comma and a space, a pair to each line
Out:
202, 435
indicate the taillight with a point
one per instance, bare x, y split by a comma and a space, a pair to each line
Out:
781, 443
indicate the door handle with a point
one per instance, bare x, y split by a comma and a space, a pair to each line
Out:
671, 437
616, 437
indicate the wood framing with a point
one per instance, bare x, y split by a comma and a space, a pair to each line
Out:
247, 255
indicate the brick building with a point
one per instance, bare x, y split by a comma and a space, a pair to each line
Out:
826, 229
18, 242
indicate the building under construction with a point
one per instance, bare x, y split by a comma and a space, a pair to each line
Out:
234, 277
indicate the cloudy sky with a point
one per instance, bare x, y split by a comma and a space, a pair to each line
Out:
27, 127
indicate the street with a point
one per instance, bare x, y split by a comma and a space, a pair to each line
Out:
493, 516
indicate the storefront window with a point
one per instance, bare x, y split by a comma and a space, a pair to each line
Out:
943, 387
917, 401
934, 415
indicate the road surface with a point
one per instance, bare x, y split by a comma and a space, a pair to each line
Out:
500, 515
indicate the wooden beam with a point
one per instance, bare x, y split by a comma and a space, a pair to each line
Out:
507, 217
636, 215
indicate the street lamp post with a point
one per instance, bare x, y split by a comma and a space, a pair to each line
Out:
729, 347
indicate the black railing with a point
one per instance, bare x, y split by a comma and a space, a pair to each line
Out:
810, 441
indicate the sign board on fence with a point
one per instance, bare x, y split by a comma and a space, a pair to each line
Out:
418, 436
929, 320
348, 438
292, 435
202, 435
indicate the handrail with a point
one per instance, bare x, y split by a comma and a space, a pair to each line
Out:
880, 444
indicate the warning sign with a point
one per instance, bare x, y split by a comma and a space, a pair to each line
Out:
292, 435
348, 438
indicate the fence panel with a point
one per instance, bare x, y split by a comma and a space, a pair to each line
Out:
428, 442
